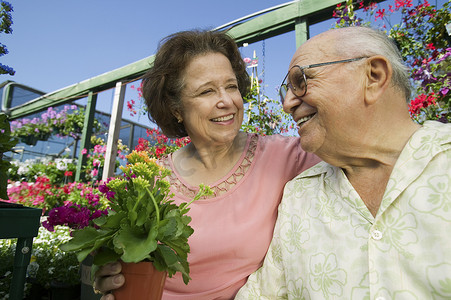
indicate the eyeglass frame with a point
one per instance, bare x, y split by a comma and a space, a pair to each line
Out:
287, 86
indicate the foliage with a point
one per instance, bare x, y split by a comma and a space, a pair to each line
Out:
40, 193
137, 108
33, 194
67, 122
263, 115
424, 45
158, 145
5, 26
7, 252
62, 170
48, 263
58, 170
96, 158
6, 144
83, 203
27, 129
73, 124
143, 223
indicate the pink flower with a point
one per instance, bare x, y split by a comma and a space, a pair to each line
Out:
96, 162
84, 151
94, 172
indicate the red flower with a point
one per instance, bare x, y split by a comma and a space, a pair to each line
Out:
403, 3
143, 145
159, 151
68, 173
380, 14
420, 102
430, 46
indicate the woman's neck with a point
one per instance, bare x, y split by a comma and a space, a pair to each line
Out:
208, 163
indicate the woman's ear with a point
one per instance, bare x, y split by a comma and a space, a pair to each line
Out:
178, 116
378, 74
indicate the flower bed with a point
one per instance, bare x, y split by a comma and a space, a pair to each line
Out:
49, 265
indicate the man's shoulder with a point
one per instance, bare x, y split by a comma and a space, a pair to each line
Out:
438, 131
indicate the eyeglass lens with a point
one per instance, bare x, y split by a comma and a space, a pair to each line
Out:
297, 79
296, 82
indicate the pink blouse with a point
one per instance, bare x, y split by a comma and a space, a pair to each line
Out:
233, 229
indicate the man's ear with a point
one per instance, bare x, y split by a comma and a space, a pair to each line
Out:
379, 73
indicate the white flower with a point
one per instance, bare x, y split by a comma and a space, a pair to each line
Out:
60, 164
23, 169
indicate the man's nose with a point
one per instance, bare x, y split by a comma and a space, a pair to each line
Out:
291, 102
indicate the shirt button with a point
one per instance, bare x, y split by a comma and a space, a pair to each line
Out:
376, 235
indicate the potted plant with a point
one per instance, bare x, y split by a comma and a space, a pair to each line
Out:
73, 124
142, 225
31, 131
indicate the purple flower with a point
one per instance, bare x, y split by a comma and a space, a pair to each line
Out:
105, 190
444, 91
110, 195
74, 216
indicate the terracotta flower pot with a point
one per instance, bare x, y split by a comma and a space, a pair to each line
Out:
142, 282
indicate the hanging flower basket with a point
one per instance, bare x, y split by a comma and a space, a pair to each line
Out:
44, 136
29, 140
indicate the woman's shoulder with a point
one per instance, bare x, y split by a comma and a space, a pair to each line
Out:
165, 161
278, 141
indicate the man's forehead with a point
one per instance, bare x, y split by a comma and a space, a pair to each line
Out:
312, 51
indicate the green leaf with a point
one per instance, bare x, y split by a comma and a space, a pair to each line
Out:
113, 220
168, 255
142, 217
104, 256
86, 240
132, 216
167, 227
173, 262
136, 245
81, 255
82, 238
181, 248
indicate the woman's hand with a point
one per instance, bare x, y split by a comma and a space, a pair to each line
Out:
108, 278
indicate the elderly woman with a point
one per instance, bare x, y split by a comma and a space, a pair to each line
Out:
195, 89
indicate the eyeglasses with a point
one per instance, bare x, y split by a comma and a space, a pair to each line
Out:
297, 81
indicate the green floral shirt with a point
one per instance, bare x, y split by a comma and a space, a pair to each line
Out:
327, 245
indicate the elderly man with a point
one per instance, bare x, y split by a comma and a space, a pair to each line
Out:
373, 221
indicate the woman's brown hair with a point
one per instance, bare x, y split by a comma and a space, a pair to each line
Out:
163, 83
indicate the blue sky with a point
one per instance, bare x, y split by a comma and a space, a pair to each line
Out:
58, 43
